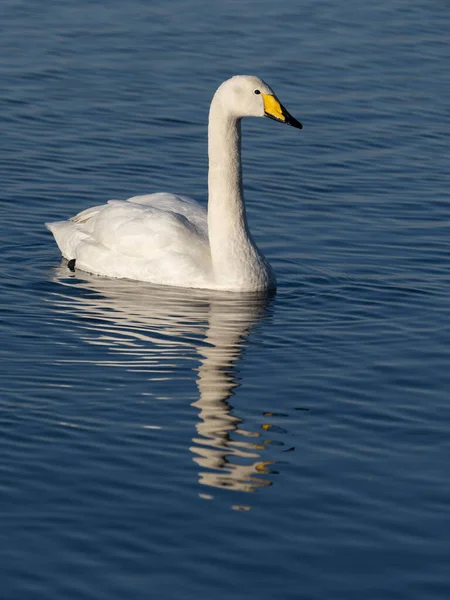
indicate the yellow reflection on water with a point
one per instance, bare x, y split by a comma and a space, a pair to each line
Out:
152, 329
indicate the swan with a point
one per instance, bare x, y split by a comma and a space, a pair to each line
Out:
172, 240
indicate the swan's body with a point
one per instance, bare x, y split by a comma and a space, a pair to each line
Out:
172, 240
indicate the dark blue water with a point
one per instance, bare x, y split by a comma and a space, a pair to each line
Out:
162, 443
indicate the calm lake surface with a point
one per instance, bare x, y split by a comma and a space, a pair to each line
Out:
165, 443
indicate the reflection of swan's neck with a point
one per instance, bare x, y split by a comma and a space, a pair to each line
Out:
222, 349
221, 448
236, 260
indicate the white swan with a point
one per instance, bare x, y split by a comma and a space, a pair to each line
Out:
172, 240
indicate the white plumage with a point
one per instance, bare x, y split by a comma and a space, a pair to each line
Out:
171, 240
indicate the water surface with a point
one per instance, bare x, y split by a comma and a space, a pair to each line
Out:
187, 444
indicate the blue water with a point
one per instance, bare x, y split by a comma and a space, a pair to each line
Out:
163, 443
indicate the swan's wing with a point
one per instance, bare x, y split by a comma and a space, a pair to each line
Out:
145, 231
182, 205
161, 238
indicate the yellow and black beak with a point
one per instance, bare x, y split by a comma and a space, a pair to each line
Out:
275, 110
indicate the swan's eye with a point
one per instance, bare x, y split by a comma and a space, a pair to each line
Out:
257, 92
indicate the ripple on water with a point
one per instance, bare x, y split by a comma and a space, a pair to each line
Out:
203, 445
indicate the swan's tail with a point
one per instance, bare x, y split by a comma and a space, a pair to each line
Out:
67, 235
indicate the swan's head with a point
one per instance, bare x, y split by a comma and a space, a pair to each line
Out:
249, 96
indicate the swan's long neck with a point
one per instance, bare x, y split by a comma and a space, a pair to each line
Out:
237, 262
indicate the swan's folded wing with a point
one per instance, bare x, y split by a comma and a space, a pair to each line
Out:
138, 241
146, 231
183, 205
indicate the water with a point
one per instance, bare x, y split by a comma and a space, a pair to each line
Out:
160, 443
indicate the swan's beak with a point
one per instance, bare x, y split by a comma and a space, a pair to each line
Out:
275, 110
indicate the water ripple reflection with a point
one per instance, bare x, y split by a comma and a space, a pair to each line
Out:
152, 329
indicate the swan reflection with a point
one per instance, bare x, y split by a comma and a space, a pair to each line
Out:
152, 329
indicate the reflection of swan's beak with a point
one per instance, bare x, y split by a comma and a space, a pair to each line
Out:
276, 111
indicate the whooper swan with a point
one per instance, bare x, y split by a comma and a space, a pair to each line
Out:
172, 240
